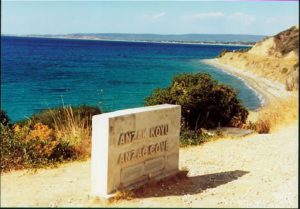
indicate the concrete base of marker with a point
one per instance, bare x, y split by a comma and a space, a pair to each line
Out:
151, 179
105, 199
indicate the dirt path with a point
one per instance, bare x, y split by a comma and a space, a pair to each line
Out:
255, 171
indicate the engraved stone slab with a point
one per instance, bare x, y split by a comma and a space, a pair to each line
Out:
154, 165
132, 172
130, 147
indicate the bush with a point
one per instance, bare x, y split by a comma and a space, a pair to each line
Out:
67, 136
243, 49
191, 137
223, 52
23, 147
263, 126
4, 119
11, 150
204, 102
251, 126
284, 70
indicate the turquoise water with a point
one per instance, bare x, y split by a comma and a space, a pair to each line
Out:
40, 73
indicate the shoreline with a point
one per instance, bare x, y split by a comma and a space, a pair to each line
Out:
267, 90
140, 41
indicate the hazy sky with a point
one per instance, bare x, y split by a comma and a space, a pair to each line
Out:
160, 17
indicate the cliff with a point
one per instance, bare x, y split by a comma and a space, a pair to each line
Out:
275, 57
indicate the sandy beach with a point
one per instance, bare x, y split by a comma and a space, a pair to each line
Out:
267, 90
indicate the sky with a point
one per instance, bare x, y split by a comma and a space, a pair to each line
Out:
157, 17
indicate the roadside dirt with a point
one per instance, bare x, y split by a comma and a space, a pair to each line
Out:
253, 171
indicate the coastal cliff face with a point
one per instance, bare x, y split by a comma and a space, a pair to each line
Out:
283, 45
275, 58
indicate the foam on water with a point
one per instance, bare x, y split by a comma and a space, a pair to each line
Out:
259, 95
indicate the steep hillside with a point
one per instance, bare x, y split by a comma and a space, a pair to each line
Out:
283, 45
275, 57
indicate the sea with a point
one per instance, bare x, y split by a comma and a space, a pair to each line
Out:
42, 73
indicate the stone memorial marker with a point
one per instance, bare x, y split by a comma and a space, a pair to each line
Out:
131, 146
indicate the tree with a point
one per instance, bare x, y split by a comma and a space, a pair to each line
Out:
204, 102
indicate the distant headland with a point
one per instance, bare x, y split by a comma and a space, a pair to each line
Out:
207, 39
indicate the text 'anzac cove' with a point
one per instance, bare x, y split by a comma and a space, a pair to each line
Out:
131, 136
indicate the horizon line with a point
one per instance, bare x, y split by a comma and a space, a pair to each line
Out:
159, 34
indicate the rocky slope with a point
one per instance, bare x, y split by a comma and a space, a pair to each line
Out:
283, 45
275, 58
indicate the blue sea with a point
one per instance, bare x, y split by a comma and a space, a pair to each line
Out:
41, 73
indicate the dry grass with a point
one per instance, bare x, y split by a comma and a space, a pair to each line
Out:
75, 128
277, 114
122, 195
263, 126
47, 138
269, 67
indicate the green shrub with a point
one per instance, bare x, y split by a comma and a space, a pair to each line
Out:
4, 119
204, 102
191, 137
11, 149
223, 52
243, 49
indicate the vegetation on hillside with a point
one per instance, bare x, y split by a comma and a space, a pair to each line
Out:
287, 41
277, 114
224, 51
